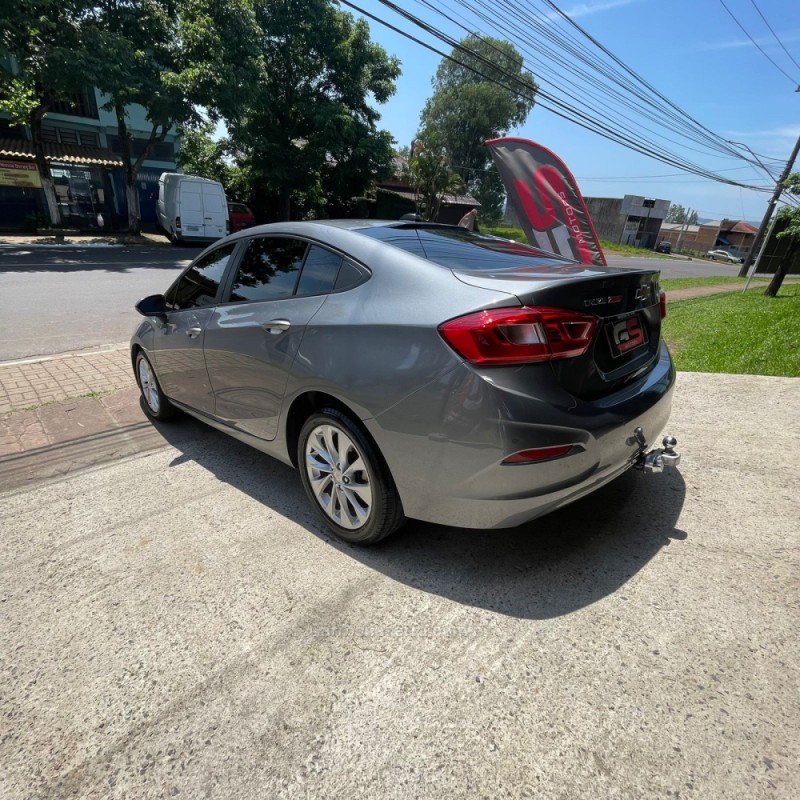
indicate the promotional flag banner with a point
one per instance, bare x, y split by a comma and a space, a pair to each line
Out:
546, 199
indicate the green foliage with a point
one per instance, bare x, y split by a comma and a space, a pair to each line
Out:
432, 176
306, 132
673, 284
221, 59
507, 233
202, 156
677, 214
467, 108
765, 339
45, 39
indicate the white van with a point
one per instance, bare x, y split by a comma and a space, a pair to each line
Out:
191, 209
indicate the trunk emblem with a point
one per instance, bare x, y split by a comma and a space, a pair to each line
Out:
602, 301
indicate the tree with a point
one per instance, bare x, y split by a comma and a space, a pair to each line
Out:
790, 215
432, 176
677, 214
45, 41
202, 155
480, 94
307, 131
134, 60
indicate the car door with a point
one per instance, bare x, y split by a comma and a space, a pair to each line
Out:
253, 336
177, 347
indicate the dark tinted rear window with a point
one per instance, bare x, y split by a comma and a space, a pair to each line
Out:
461, 249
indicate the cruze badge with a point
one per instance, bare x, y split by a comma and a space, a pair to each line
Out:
602, 301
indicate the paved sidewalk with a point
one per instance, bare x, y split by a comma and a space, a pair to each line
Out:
31, 383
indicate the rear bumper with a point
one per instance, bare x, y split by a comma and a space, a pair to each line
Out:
445, 444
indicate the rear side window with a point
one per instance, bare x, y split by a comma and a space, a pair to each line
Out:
269, 269
319, 272
199, 285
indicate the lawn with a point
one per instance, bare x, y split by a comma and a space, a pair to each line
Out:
738, 333
672, 284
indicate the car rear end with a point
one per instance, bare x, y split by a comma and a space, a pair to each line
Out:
555, 394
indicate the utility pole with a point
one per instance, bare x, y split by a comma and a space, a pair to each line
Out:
683, 230
755, 249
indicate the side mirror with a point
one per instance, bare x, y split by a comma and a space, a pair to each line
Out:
153, 306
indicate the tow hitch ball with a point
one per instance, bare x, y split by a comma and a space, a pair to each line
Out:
658, 458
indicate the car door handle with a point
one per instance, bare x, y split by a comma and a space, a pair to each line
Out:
277, 326
193, 333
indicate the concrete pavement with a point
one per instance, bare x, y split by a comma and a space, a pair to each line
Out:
176, 624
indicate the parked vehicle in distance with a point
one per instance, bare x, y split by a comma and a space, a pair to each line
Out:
191, 209
240, 216
414, 370
664, 247
723, 255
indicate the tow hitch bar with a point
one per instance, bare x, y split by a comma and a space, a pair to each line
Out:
657, 459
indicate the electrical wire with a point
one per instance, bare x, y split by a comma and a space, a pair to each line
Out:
783, 47
546, 99
761, 49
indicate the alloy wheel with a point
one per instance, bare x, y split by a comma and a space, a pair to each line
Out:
338, 476
148, 384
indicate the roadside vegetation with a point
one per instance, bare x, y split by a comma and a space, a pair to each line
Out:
737, 333
674, 284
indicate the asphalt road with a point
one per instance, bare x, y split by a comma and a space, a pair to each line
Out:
178, 625
60, 299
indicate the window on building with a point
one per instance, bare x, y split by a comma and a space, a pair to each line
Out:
81, 104
161, 151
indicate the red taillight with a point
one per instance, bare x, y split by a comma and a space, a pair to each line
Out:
662, 302
177, 222
519, 335
227, 226
538, 454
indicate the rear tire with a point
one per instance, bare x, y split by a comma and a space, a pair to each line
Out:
156, 404
346, 480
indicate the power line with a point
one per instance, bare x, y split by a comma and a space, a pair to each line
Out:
763, 53
783, 47
546, 99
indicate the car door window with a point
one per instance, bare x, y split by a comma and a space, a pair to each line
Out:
269, 269
199, 285
320, 271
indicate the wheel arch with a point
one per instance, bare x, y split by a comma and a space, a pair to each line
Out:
308, 403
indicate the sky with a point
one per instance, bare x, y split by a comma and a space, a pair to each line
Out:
692, 51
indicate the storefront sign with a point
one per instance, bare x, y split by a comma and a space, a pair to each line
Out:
18, 173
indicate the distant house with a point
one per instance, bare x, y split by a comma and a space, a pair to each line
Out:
82, 145
395, 197
734, 236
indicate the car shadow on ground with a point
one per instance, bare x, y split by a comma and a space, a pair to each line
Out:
546, 568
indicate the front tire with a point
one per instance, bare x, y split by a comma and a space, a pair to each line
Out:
346, 480
155, 402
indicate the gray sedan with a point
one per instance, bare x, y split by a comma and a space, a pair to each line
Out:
413, 370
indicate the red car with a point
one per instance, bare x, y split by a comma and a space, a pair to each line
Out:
240, 217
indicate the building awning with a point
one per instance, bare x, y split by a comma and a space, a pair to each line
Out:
61, 153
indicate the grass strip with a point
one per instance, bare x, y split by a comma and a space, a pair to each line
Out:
737, 333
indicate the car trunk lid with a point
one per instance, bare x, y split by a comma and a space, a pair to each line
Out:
626, 303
